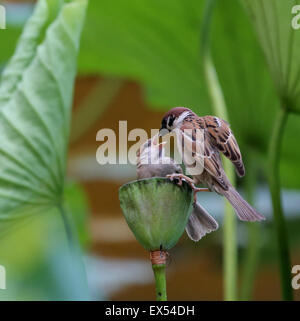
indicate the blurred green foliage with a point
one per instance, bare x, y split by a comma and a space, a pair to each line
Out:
272, 21
243, 75
154, 42
158, 44
36, 93
8, 44
281, 45
38, 261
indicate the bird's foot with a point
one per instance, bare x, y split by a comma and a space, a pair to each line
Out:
179, 178
190, 181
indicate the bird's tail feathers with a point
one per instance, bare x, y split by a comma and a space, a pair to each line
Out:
244, 211
200, 223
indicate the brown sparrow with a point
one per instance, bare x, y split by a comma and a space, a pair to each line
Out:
152, 162
216, 136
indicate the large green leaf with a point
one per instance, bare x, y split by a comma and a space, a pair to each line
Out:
272, 20
35, 103
244, 76
281, 44
249, 88
155, 42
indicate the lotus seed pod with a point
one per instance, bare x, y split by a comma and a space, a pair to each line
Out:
156, 210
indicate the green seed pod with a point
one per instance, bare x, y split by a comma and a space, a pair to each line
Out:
156, 210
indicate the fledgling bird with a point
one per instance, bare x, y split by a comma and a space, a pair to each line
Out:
217, 138
159, 165
152, 162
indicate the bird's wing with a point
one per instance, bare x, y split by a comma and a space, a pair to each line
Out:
200, 149
203, 151
212, 162
221, 137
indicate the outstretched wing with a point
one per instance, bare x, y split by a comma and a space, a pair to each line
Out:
221, 136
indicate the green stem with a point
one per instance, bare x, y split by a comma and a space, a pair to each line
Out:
160, 281
230, 244
254, 231
68, 228
250, 261
219, 108
279, 220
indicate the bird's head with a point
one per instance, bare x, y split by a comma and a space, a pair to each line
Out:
173, 119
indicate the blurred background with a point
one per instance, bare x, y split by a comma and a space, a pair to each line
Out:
137, 60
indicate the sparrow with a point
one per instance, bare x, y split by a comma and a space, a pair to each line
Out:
216, 137
152, 162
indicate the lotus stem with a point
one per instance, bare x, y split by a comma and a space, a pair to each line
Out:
68, 228
158, 259
230, 242
251, 257
220, 110
279, 220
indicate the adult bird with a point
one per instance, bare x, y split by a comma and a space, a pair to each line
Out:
203, 139
152, 162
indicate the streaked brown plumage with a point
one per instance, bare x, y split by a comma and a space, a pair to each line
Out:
200, 221
217, 138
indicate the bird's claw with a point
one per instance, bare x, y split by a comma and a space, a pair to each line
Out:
173, 177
